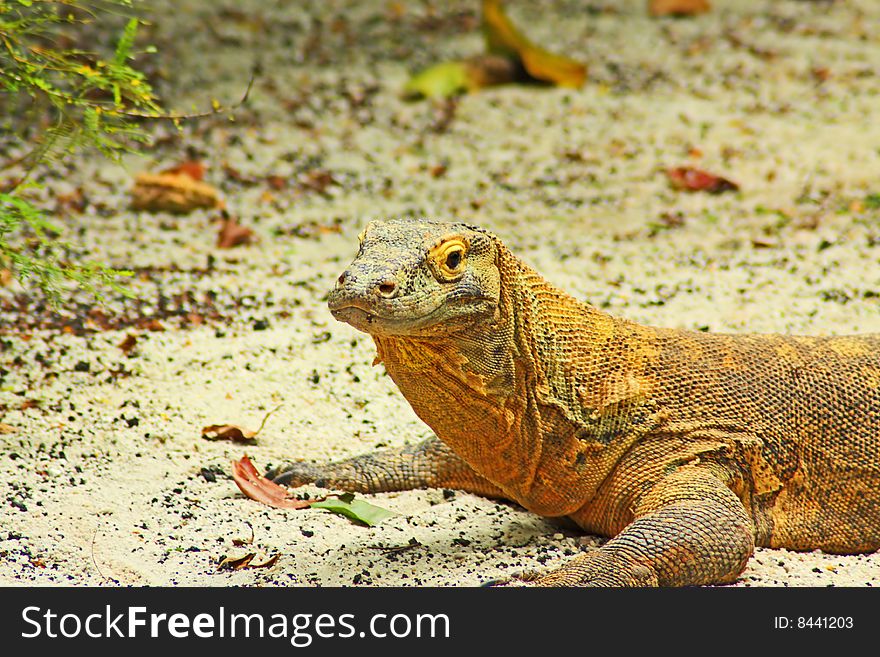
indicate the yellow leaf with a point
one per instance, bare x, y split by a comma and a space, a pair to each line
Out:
503, 38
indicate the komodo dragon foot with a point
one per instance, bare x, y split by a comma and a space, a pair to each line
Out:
429, 464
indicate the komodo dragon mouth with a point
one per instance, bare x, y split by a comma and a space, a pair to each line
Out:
365, 316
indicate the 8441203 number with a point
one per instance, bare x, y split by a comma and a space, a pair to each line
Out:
813, 623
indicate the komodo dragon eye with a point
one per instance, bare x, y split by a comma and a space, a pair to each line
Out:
448, 258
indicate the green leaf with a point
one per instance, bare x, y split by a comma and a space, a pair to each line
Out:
126, 41
358, 510
439, 81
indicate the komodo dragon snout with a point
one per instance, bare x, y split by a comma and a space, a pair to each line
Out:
417, 279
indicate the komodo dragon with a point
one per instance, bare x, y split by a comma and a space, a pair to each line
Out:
688, 448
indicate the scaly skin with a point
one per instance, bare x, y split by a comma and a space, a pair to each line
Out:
688, 448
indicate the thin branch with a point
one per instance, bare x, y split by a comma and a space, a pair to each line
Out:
94, 561
220, 109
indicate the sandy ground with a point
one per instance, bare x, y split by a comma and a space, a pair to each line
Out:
106, 480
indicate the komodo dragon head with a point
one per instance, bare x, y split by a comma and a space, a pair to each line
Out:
419, 279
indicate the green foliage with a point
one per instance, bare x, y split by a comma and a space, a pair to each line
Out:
59, 97
358, 510
41, 259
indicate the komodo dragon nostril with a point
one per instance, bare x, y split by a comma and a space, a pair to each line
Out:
342, 278
387, 289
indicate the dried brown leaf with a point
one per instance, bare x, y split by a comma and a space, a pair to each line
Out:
691, 179
760, 242
232, 234
491, 70
151, 325
229, 432
678, 7
268, 563
5, 428
172, 192
246, 562
236, 563
258, 488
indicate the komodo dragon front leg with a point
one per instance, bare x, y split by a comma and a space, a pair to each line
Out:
428, 464
689, 529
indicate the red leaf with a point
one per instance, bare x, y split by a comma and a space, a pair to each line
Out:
678, 7
258, 488
695, 180
232, 234
192, 168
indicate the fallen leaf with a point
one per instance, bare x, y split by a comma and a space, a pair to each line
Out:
268, 563
764, 242
6, 277
503, 38
317, 180
355, 509
258, 488
151, 325
229, 432
454, 78
246, 562
128, 343
678, 7
236, 563
511, 57
276, 182
233, 234
172, 192
236, 433
5, 428
438, 81
238, 542
695, 180
192, 168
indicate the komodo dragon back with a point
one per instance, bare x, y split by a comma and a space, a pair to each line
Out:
687, 448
